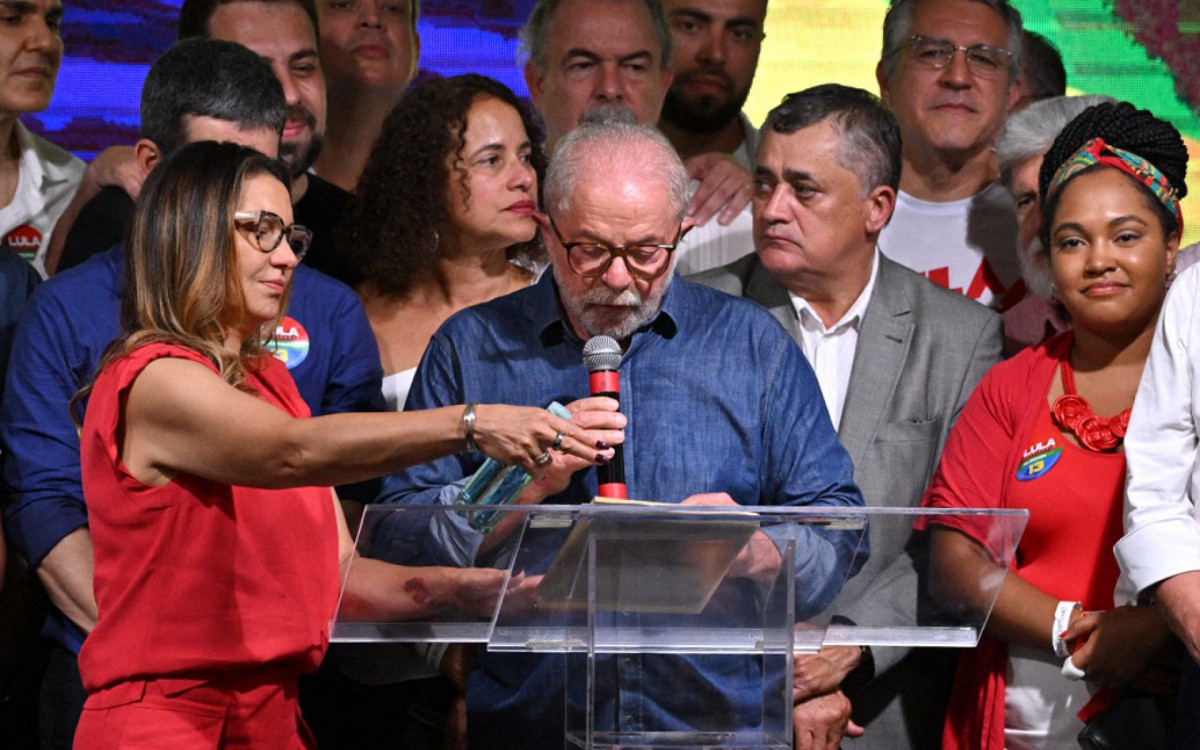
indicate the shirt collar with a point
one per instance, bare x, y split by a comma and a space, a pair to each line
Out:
40, 167
852, 317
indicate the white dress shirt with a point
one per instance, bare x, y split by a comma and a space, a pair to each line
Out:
1162, 519
830, 350
714, 245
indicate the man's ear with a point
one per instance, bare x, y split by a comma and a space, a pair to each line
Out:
535, 81
686, 226
882, 79
1014, 94
879, 205
147, 155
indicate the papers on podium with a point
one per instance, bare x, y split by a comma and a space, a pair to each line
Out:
656, 563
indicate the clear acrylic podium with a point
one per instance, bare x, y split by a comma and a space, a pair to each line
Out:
696, 611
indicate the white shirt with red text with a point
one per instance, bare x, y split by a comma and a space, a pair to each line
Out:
968, 246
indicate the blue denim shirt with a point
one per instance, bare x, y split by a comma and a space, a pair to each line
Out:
719, 399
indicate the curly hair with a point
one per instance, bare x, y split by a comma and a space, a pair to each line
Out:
389, 232
1126, 127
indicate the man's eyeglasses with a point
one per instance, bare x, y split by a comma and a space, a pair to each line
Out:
592, 259
982, 60
268, 230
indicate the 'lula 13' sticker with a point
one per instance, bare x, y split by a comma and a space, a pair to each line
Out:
290, 344
1039, 459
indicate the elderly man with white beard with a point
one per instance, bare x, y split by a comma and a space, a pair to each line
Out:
722, 409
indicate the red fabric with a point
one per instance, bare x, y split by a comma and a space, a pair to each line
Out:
228, 714
1005, 451
195, 579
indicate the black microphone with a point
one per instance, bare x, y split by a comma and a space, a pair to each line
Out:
602, 357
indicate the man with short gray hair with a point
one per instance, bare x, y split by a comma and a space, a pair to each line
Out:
723, 411
896, 358
949, 72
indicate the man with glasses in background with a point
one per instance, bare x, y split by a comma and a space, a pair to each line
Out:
949, 72
722, 410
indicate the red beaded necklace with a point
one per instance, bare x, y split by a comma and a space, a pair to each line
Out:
1072, 412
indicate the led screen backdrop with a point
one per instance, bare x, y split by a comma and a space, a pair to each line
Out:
1145, 51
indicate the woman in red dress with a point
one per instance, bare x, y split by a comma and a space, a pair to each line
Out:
218, 540
1044, 430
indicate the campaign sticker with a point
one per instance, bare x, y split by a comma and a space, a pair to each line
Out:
290, 343
1039, 459
25, 241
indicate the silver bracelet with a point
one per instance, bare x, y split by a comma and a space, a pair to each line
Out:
468, 425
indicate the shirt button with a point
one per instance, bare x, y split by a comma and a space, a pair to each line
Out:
629, 662
629, 720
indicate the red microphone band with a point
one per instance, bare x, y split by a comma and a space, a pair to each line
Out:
614, 489
605, 381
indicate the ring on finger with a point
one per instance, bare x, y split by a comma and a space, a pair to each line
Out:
543, 459
558, 441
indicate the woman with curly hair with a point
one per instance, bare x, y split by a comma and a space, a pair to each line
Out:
1044, 431
219, 544
444, 215
443, 219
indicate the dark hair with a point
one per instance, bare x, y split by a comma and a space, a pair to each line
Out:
1042, 66
898, 23
210, 78
195, 15
536, 30
1126, 127
870, 136
389, 229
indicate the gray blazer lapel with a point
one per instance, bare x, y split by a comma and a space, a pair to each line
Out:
766, 291
883, 342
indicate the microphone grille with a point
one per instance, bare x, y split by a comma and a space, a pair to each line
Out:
601, 353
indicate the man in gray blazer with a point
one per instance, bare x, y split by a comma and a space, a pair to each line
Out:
896, 357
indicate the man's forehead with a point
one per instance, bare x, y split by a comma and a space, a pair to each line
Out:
267, 29
799, 147
961, 21
29, 7
619, 211
719, 10
574, 26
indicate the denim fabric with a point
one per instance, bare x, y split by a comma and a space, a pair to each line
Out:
719, 399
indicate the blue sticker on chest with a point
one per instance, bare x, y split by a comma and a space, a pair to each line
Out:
1039, 459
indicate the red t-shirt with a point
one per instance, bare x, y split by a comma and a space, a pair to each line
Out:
196, 579
1006, 452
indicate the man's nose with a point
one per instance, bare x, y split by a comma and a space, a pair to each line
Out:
712, 48
608, 84
617, 277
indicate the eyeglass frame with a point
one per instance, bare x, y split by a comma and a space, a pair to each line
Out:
255, 217
617, 251
955, 48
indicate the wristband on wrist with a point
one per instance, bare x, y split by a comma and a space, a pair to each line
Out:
468, 425
1062, 621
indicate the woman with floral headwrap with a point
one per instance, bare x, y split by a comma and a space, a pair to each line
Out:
1044, 432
